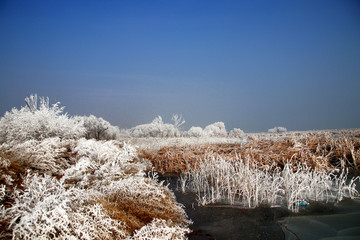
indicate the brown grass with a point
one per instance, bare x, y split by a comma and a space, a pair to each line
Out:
319, 151
138, 212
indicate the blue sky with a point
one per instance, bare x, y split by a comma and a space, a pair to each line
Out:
251, 64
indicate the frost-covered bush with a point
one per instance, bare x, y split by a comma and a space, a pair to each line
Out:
277, 130
45, 155
3, 214
119, 176
215, 129
161, 229
38, 120
48, 210
195, 132
98, 163
236, 132
103, 194
77, 188
157, 128
98, 128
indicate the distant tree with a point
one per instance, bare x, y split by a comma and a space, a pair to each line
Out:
236, 132
178, 120
277, 130
157, 128
195, 132
215, 129
98, 128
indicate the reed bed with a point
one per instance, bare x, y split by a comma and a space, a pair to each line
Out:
272, 169
239, 182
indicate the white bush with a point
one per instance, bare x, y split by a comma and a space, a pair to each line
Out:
38, 122
98, 163
277, 130
48, 210
195, 132
161, 229
2, 197
215, 129
236, 132
98, 128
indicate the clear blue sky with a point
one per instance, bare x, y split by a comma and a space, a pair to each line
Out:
251, 64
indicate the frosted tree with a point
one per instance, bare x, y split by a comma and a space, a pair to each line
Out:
277, 130
195, 132
157, 128
98, 128
215, 129
236, 132
178, 120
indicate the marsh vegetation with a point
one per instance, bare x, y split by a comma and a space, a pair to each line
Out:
65, 177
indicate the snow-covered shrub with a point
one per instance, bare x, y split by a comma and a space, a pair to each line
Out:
157, 128
4, 172
45, 155
195, 132
236, 132
215, 129
48, 210
124, 133
277, 130
98, 163
161, 229
119, 176
38, 122
3, 211
98, 128
2, 192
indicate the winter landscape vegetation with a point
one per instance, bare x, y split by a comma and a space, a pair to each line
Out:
199, 120
79, 177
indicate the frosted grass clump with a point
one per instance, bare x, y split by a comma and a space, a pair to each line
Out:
237, 181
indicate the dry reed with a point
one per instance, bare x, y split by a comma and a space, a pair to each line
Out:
320, 151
